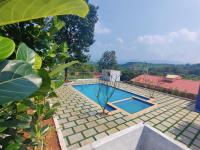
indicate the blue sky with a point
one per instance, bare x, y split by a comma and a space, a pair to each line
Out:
148, 30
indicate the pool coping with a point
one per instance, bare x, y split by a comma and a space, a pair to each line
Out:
117, 108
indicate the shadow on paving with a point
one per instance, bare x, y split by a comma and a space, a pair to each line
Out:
188, 132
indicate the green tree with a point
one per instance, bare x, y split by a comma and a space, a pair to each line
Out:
78, 33
127, 74
108, 60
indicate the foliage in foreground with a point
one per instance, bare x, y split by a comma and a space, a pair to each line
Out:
29, 78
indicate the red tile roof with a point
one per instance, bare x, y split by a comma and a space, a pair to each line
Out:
188, 86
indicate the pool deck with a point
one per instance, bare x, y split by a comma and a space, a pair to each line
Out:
77, 120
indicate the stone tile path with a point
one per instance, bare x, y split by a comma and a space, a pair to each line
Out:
80, 125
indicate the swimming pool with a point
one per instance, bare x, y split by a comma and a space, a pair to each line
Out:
132, 105
91, 91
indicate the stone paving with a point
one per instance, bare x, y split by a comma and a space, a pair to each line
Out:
80, 125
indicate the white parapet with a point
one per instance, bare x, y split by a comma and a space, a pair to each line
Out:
138, 137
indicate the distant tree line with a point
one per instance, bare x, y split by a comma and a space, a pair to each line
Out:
187, 71
131, 70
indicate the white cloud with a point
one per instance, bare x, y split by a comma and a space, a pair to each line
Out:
180, 35
178, 46
120, 40
101, 29
181, 46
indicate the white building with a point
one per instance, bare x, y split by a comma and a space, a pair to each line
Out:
111, 75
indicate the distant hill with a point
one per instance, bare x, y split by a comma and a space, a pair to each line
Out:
141, 65
189, 71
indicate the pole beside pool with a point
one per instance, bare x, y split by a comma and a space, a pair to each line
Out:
197, 106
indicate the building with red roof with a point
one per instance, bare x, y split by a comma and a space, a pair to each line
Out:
174, 82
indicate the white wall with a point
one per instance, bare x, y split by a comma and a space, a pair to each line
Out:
111, 75
138, 137
115, 75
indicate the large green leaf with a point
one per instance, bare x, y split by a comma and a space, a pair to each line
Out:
60, 68
21, 107
27, 54
46, 83
57, 83
13, 11
56, 26
2, 129
64, 47
7, 47
17, 80
45, 129
13, 146
49, 114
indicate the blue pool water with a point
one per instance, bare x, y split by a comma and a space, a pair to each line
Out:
91, 91
132, 105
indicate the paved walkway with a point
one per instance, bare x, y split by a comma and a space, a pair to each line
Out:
81, 126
